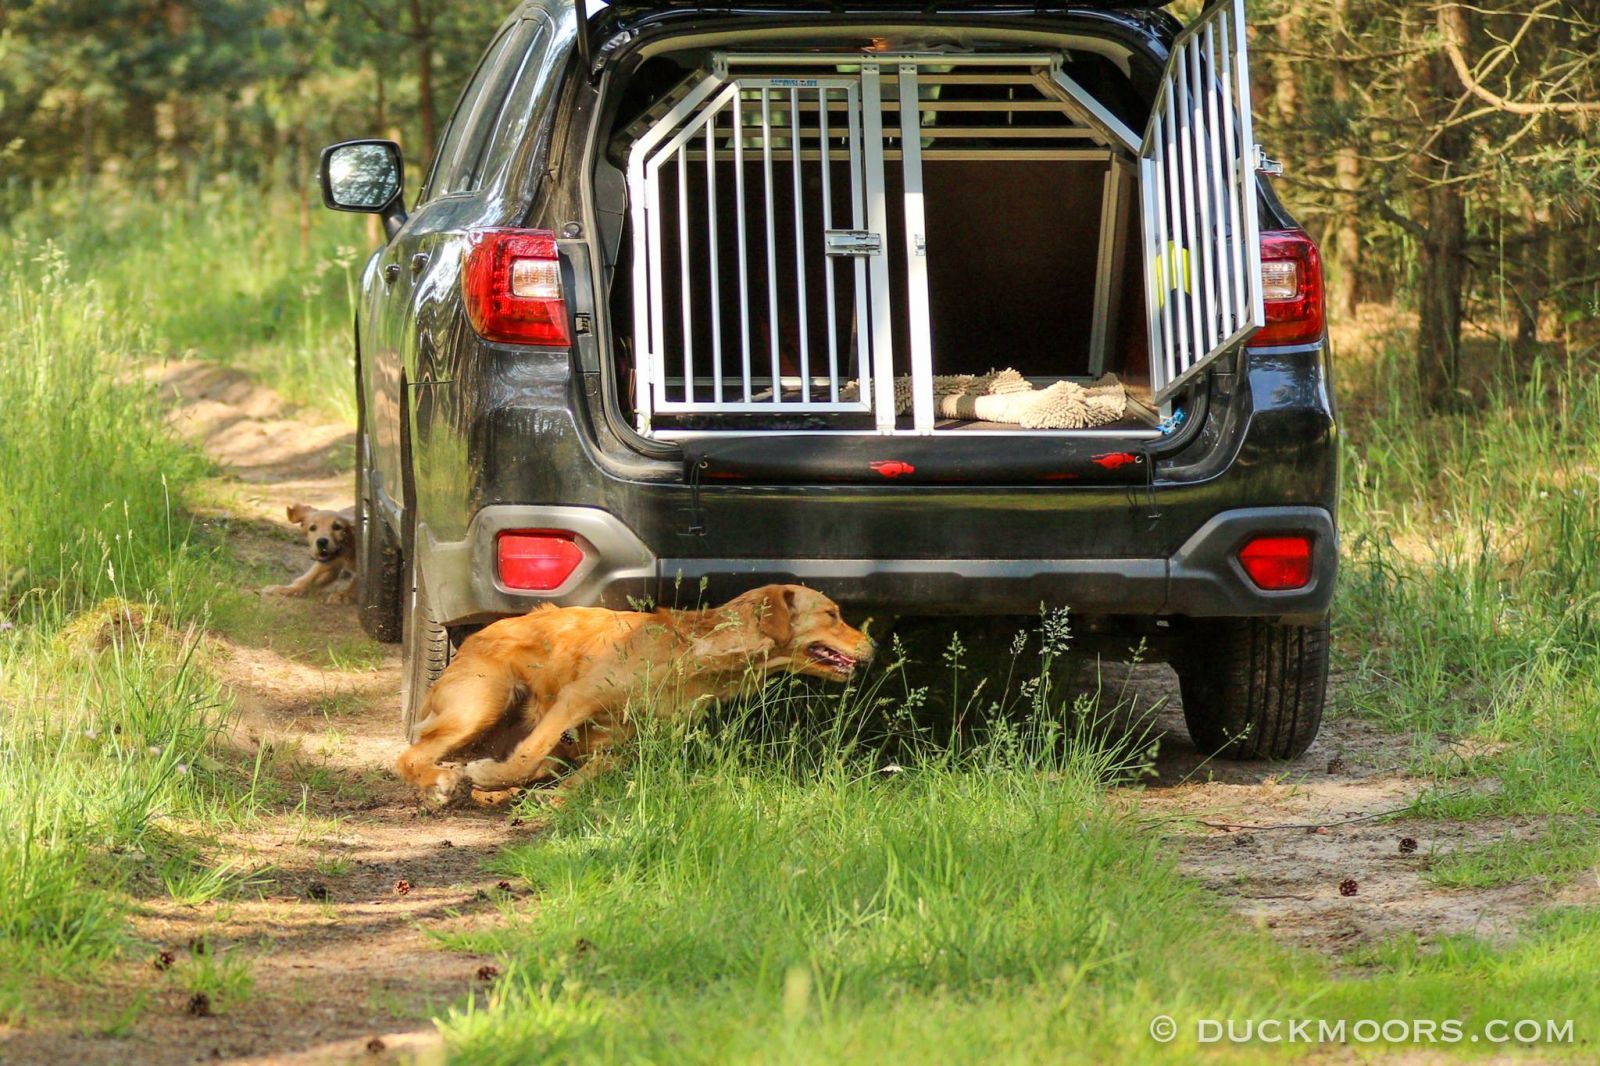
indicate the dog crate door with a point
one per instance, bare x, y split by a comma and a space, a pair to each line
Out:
1202, 227
752, 247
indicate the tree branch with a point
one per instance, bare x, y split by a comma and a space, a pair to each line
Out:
1453, 47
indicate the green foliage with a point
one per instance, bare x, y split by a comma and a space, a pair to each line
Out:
172, 91
741, 895
1364, 101
1473, 584
89, 467
234, 277
108, 721
745, 896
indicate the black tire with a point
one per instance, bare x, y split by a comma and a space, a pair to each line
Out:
380, 580
1253, 689
381, 575
427, 651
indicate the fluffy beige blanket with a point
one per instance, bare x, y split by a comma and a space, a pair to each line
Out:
1006, 396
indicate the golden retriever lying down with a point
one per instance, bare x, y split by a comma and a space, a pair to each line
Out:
527, 698
331, 540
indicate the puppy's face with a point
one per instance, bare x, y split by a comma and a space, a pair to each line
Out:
329, 534
808, 635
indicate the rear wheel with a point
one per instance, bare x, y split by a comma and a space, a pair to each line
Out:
1253, 689
380, 577
381, 571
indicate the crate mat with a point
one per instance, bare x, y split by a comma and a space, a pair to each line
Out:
1005, 396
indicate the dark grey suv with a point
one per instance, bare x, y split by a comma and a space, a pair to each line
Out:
698, 297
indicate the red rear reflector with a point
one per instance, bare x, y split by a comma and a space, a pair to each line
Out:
1278, 564
1291, 277
538, 561
512, 287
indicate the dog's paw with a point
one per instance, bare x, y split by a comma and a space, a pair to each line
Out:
487, 774
276, 591
347, 594
451, 787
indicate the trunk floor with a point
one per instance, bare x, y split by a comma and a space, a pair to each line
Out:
1126, 425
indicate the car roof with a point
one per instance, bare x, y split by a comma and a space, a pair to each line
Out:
633, 8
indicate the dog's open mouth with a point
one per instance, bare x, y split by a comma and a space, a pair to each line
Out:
832, 658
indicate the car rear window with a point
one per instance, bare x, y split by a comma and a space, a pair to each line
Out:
528, 99
456, 167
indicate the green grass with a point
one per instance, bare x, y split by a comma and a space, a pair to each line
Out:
1556, 855
233, 275
750, 892
108, 718
839, 883
1474, 583
994, 905
1548, 973
792, 893
296, 629
221, 975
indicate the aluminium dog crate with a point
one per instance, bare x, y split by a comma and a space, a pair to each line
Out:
802, 175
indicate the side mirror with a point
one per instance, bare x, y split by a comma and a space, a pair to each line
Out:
366, 176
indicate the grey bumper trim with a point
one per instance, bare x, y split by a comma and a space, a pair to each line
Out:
1202, 580
463, 576
1207, 581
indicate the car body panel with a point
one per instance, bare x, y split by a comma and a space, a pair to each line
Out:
499, 430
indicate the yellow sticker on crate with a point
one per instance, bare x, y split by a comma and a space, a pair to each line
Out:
1171, 269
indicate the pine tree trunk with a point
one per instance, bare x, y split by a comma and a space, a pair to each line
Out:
87, 161
1531, 285
1441, 277
1441, 266
1347, 176
422, 34
380, 109
375, 234
1286, 80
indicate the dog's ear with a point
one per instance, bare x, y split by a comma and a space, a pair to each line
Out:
776, 614
298, 513
750, 626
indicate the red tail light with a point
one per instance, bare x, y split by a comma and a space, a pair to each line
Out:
1278, 564
1291, 275
512, 287
537, 560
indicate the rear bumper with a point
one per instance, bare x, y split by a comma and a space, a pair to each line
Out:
1263, 459
1203, 579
